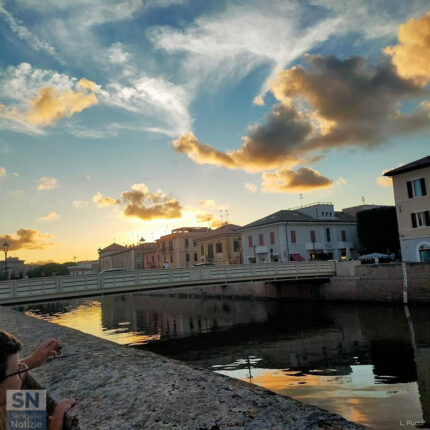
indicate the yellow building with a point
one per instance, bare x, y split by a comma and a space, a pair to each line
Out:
221, 246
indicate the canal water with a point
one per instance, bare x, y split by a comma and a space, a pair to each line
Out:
370, 363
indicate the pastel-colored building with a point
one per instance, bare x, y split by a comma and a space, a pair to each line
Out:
309, 232
410, 183
116, 256
221, 246
179, 248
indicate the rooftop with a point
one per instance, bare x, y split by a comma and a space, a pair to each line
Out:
292, 215
224, 230
415, 165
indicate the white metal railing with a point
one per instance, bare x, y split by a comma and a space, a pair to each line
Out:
66, 286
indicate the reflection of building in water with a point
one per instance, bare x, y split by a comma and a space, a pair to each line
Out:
175, 316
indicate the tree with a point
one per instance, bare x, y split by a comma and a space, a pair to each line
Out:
378, 230
50, 269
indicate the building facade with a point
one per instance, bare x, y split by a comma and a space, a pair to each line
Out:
410, 185
117, 256
310, 232
15, 268
221, 246
179, 248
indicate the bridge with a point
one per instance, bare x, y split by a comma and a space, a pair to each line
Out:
62, 287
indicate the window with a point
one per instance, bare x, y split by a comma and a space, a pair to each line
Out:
194, 242
420, 219
312, 235
187, 257
327, 234
171, 258
272, 238
261, 239
202, 250
195, 257
153, 258
170, 245
250, 241
293, 236
236, 245
219, 247
343, 233
186, 243
210, 251
416, 188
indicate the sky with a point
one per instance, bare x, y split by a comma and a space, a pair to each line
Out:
122, 119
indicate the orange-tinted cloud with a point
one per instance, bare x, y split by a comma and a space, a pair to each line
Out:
384, 181
26, 239
324, 103
46, 183
103, 201
291, 181
145, 205
50, 104
411, 54
51, 217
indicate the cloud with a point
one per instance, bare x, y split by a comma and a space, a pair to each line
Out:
52, 216
411, 54
142, 204
3, 172
252, 188
41, 97
385, 181
258, 100
46, 183
207, 204
341, 181
116, 54
25, 34
325, 103
208, 217
291, 181
26, 239
50, 105
80, 203
16, 193
103, 201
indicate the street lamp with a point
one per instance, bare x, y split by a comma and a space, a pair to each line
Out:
5, 249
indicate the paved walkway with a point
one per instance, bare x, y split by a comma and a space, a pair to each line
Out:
120, 387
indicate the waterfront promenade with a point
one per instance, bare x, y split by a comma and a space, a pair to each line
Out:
120, 387
57, 287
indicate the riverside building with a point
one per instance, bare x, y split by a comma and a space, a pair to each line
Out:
310, 232
410, 185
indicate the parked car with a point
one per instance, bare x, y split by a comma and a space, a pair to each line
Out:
114, 270
203, 264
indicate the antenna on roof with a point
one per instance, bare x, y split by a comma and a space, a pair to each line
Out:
301, 200
220, 215
226, 216
362, 199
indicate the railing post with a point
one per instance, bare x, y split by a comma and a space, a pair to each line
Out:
12, 287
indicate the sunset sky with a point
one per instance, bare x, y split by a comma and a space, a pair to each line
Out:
127, 118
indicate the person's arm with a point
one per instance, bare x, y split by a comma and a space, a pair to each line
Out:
56, 420
45, 350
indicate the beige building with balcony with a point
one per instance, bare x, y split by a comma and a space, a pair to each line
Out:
179, 248
410, 184
221, 246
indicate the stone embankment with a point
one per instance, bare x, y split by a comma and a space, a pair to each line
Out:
119, 387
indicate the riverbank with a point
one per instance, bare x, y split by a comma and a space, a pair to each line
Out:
120, 387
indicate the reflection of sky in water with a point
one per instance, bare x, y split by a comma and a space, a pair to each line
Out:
88, 319
355, 396
355, 360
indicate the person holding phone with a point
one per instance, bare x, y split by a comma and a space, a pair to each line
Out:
13, 371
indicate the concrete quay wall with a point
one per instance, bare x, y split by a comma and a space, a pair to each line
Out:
353, 282
119, 387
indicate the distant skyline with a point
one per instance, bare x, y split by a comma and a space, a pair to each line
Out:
122, 119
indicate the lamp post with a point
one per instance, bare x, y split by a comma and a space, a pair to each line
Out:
5, 249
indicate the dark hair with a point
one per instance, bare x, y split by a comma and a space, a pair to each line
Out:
9, 345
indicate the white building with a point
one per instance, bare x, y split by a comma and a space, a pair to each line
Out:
309, 232
410, 184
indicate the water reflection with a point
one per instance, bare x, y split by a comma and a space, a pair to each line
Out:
369, 363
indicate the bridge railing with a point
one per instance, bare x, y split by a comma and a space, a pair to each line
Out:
144, 279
